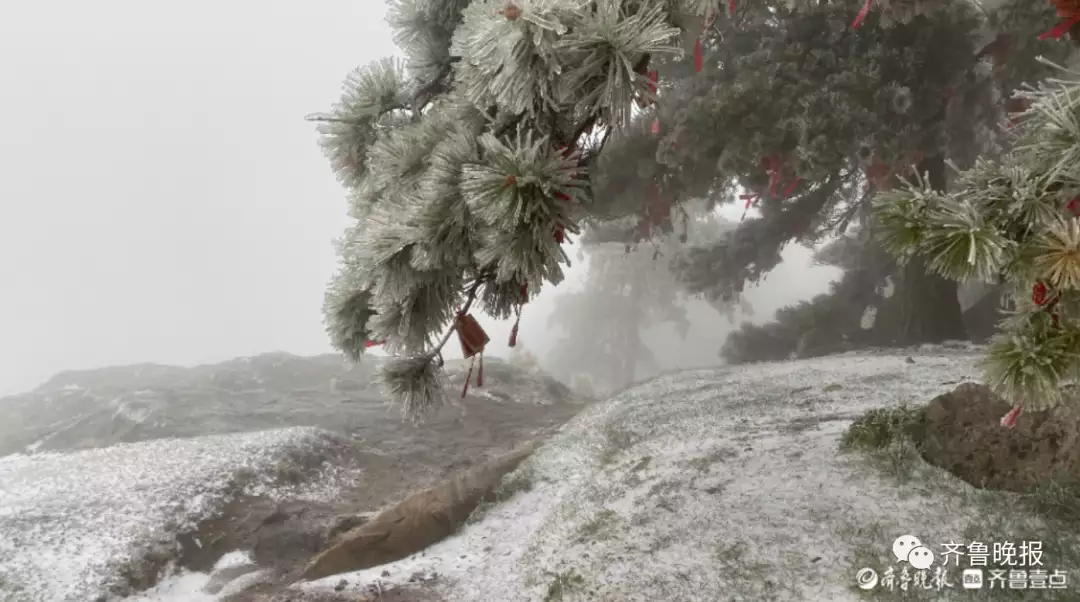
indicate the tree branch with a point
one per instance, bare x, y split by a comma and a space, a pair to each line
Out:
473, 290
324, 118
509, 125
423, 95
842, 223
639, 67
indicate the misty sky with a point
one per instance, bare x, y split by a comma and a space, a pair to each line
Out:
162, 198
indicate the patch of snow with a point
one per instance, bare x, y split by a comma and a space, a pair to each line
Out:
869, 316
71, 521
71, 387
189, 586
712, 484
182, 587
234, 559
244, 582
130, 411
889, 287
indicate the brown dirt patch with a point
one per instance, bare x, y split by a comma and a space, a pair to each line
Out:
962, 433
421, 520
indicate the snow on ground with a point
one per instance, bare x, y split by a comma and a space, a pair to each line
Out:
195, 587
718, 484
71, 520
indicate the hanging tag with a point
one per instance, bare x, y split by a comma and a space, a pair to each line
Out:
472, 336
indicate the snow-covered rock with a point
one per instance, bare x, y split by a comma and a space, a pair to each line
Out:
70, 523
719, 484
125, 404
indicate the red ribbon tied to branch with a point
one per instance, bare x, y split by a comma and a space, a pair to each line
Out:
1069, 13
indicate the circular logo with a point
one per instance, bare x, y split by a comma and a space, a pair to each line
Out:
866, 578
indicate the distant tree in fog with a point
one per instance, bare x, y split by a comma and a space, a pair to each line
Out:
857, 311
627, 288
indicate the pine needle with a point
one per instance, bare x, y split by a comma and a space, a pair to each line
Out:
415, 383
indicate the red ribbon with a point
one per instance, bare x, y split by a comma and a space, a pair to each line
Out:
1074, 206
791, 187
514, 331
1039, 297
1038, 293
750, 200
1062, 28
369, 344
862, 15
1009, 420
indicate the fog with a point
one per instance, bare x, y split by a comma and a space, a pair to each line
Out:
163, 199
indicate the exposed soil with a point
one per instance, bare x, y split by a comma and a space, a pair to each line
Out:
962, 433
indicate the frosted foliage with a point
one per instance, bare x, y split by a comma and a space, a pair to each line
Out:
369, 93
464, 163
831, 111
1013, 220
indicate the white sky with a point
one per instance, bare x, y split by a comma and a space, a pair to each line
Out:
161, 197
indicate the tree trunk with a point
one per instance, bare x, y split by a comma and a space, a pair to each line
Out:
929, 306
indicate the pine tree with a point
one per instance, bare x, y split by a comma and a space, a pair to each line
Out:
467, 164
1013, 221
627, 289
804, 115
856, 313
470, 162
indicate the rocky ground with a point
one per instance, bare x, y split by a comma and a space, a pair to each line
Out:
736, 484
383, 457
776, 481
